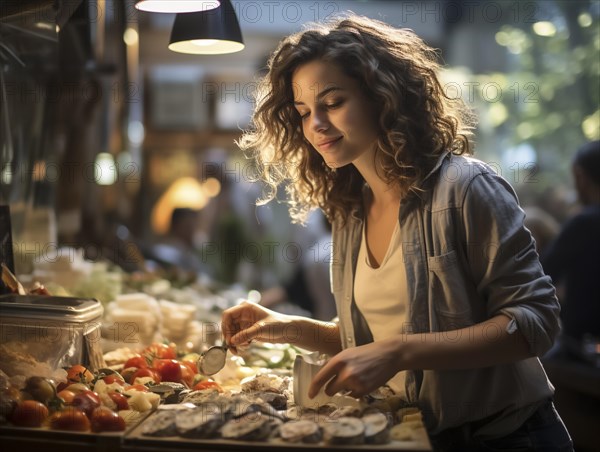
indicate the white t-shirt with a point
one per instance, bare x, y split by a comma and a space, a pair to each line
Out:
380, 294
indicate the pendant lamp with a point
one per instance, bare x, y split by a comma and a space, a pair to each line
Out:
176, 6
207, 32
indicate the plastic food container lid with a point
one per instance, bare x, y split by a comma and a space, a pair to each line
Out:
70, 309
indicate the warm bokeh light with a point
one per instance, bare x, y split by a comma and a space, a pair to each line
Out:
105, 170
184, 192
544, 28
591, 126
130, 37
212, 187
39, 171
585, 20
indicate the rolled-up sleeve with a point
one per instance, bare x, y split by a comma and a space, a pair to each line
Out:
505, 264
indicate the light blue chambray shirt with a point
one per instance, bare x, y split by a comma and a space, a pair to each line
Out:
468, 257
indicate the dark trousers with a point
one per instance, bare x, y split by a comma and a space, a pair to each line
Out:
544, 431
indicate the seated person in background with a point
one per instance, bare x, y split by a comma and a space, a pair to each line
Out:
178, 248
573, 259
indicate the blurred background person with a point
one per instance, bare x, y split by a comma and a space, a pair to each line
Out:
573, 259
543, 226
178, 247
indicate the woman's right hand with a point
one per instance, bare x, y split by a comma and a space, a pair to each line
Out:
250, 321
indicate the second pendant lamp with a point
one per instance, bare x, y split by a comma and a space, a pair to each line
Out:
211, 32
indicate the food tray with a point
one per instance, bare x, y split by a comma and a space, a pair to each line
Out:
27, 438
134, 440
24, 438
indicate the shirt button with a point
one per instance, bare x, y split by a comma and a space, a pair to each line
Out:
349, 339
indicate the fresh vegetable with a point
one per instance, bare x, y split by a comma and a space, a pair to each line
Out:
77, 388
120, 400
138, 387
72, 419
80, 374
190, 365
207, 384
137, 361
29, 413
106, 420
66, 396
86, 401
145, 372
169, 369
162, 351
40, 389
114, 378
187, 376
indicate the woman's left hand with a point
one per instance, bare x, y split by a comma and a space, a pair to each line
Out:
359, 370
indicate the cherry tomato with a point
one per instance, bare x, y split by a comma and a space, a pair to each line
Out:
120, 400
169, 369
106, 420
114, 378
29, 413
127, 374
86, 401
190, 365
66, 395
162, 351
136, 361
146, 372
138, 387
207, 384
80, 374
187, 376
77, 388
70, 418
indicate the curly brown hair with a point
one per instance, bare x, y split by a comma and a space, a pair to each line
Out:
397, 71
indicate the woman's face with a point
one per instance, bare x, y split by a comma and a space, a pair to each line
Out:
337, 119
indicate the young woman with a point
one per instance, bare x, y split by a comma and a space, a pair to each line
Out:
438, 287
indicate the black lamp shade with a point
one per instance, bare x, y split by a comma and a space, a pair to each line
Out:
216, 31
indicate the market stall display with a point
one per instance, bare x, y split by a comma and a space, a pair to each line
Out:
70, 374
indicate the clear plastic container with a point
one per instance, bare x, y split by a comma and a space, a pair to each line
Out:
49, 332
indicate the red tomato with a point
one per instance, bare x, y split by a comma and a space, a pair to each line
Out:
140, 388
137, 361
162, 351
207, 384
66, 395
106, 420
127, 374
120, 400
169, 369
29, 413
114, 378
146, 372
71, 419
190, 365
79, 374
187, 376
86, 401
